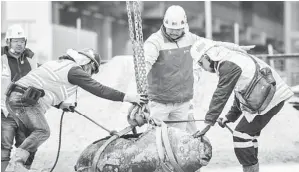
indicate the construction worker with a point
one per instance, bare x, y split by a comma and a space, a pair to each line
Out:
240, 72
16, 62
170, 68
50, 85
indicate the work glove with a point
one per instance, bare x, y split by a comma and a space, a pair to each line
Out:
203, 129
222, 121
68, 107
139, 99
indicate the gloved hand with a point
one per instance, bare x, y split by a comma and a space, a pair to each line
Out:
203, 129
68, 107
137, 116
222, 121
136, 98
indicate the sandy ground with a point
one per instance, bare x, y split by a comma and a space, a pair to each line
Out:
279, 141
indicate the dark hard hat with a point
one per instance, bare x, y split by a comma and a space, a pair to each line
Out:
93, 56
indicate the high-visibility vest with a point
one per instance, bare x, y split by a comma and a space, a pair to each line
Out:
6, 78
52, 77
283, 91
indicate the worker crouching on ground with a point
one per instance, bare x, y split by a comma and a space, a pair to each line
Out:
49, 85
260, 94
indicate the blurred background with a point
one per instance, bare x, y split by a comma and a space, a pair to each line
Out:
53, 27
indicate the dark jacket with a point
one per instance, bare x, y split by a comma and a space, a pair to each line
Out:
229, 74
18, 67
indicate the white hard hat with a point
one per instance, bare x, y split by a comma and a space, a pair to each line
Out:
15, 31
200, 47
84, 57
175, 17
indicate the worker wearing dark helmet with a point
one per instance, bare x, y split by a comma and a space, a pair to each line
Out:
51, 84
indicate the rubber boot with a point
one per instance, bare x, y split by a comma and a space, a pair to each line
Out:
252, 168
20, 157
4, 165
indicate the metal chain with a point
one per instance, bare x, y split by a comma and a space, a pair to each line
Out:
142, 67
132, 37
137, 42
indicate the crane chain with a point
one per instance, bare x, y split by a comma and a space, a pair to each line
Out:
137, 42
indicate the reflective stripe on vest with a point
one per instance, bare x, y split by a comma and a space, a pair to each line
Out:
247, 66
52, 77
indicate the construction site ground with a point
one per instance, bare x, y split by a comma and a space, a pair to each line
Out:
278, 143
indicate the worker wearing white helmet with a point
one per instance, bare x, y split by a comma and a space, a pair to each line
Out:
16, 38
50, 85
170, 68
238, 72
16, 62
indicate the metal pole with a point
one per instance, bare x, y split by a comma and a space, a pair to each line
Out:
270, 49
287, 26
236, 33
208, 19
78, 26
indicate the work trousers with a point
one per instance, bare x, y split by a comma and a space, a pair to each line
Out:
10, 131
245, 136
32, 117
173, 111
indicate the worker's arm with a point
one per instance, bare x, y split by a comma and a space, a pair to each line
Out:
235, 111
229, 74
227, 45
77, 76
151, 53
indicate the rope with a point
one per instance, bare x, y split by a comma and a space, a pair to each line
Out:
219, 120
60, 133
99, 152
59, 142
111, 132
181, 121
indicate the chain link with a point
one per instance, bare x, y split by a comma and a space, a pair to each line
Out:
132, 37
142, 68
137, 42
